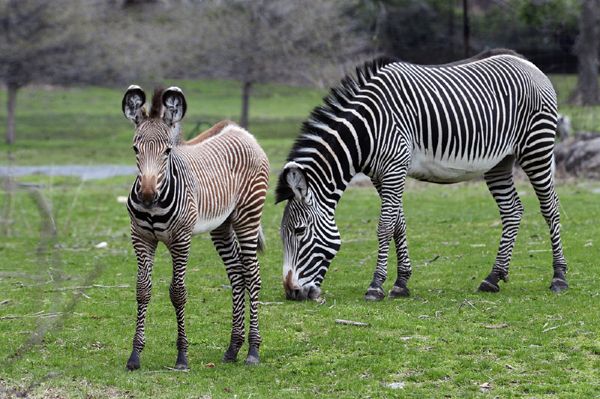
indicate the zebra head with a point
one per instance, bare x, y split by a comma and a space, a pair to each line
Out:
310, 236
156, 134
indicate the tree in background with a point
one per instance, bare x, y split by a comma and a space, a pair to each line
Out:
425, 32
587, 91
69, 42
262, 41
37, 40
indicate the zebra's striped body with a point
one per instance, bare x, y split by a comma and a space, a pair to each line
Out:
215, 183
440, 124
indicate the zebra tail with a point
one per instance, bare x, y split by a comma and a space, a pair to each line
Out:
260, 247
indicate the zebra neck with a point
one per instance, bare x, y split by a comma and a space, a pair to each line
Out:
325, 182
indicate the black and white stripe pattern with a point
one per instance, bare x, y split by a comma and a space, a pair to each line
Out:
215, 183
441, 124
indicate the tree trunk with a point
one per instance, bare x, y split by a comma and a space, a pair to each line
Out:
11, 104
587, 91
466, 30
246, 87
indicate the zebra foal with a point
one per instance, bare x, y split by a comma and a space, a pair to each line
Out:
437, 123
214, 183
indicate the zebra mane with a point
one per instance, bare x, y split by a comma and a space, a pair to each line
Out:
338, 97
482, 56
156, 107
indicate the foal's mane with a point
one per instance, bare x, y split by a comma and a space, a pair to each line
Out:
156, 107
210, 132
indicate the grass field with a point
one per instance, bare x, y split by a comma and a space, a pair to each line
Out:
67, 308
85, 125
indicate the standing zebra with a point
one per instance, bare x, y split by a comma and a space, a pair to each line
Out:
441, 124
214, 183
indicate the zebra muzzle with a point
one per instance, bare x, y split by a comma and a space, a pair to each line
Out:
298, 293
148, 192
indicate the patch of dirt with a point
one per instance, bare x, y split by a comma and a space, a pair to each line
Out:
47, 390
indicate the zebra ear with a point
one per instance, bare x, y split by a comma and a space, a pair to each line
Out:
133, 103
175, 106
292, 183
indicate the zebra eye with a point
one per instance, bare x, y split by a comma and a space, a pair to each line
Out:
168, 151
300, 230
136, 150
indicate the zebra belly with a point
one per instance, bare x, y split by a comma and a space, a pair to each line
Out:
206, 224
427, 168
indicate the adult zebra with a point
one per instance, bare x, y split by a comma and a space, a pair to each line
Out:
442, 124
216, 182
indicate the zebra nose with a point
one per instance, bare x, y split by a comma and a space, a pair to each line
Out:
148, 192
296, 294
148, 198
292, 289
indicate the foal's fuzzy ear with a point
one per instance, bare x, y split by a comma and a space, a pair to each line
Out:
133, 104
292, 183
175, 106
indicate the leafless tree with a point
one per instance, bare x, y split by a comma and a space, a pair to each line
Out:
290, 41
36, 40
587, 91
71, 42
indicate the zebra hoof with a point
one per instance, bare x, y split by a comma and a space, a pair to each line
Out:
181, 363
374, 294
230, 356
134, 361
487, 286
558, 285
252, 360
399, 292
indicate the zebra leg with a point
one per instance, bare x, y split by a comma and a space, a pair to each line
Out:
144, 251
390, 192
248, 245
539, 169
180, 249
227, 246
400, 288
501, 185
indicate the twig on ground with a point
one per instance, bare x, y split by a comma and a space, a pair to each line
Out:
430, 261
466, 302
178, 370
545, 330
351, 323
495, 326
85, 287
39, 314
269, 303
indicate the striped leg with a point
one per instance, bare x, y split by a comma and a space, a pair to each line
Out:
144, 250
390, 191
400, 288
500, 183
227, 246
180, 249
540, 172
248, 244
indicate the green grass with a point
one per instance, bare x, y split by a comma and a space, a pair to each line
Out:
582, 118
86, 126
438, 342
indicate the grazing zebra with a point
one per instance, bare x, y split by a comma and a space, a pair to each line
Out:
441, 124
214, 183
